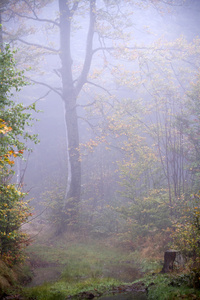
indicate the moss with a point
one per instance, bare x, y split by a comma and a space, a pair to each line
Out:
8, 279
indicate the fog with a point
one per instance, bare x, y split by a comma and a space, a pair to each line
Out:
128, 82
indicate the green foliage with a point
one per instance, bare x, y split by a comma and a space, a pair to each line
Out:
168, 287
13, 212
14, 119
186, 236
147, 216
61, 289
59, 209
15, 116
8, 278
188, 123
157, 131
55, 206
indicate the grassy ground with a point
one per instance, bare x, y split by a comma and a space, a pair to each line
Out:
75, 263
84, 258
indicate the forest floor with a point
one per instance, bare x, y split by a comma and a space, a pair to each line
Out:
81, 261
82, 266
76, 266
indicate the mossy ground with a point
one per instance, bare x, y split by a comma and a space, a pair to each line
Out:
73, 264
63, 289
98, 265
80, 263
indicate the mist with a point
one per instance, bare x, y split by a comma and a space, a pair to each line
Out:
114, 177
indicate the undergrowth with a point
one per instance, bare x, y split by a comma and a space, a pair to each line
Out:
86, 264
81, 259
12, 278
62, 289
96, 266
170, 287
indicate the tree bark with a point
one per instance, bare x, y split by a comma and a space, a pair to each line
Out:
74, 189
70, 92
170, 257
69, 98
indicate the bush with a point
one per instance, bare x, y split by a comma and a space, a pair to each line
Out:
13, 136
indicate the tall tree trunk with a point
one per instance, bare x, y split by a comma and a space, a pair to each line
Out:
69, 96
74, 189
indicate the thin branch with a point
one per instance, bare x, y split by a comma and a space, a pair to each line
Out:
32, 18
42, 97
45, 84
34, 217
32, 237
57, 72
177, 77
103, 49
134, 48
87, 105
88, 122
24, 171
99, 86
31, 44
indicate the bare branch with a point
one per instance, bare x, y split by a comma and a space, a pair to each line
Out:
57, 72
87, 105
33, 18
45, 84
134, 48
31, 44
177, 77
42, 97
92, 126
99, 86
29, 221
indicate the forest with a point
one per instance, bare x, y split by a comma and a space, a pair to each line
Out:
99, 149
